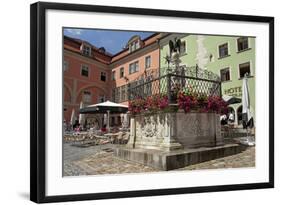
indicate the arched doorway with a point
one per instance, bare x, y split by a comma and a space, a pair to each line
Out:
239, 115
93, 121
231, 114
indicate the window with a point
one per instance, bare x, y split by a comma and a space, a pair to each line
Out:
123, 93
117, 95
85, 70
243, 69
113, 75
182, 48
86, 50
120, 94
103, 76
65, 65
101, 98
147, 61
223, 50
134, 46
133, 67
122, 72
113, 98
242, 43
225, 74
87, 96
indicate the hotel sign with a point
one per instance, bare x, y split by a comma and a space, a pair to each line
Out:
235, 91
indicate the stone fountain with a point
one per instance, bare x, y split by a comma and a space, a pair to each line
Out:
171, 140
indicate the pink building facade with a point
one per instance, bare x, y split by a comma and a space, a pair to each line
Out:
92, 75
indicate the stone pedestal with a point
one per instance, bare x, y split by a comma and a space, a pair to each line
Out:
131, 142
169, 160
175, 130
169, 141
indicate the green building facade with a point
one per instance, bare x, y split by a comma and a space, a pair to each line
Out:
229, 57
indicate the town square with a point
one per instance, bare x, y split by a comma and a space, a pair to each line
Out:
138, 102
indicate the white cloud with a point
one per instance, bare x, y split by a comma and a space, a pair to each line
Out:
73, 31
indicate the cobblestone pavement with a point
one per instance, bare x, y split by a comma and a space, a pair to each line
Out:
100, 160
243, 159
72, 154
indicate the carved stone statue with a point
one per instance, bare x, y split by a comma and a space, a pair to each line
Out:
175, 47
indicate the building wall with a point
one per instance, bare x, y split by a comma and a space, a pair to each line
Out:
233, 87
75, 84
202, 50
153, 52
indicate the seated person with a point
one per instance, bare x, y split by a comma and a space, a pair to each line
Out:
223, 119
103, 129
77, 129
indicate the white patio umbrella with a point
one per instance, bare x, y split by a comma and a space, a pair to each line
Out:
81, 116
246, 112
247, 117
105, 107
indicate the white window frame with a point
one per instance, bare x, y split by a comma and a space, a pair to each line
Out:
101, 74
218, 50
230, 76
147, 57
135, 45
136, 67
251, 70
88, 67
84, 49
249, 44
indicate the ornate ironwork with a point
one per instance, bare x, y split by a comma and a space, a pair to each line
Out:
191, 71
147, 75
193, 79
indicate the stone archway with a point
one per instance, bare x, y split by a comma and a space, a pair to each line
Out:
88, 87
68, 89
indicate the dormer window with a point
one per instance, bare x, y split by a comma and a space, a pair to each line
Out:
134, 43
134, 46
86, 50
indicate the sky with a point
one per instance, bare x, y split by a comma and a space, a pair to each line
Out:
112, 41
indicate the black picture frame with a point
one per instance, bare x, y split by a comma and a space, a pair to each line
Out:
38, 101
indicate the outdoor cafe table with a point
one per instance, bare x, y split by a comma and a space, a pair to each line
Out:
112, 136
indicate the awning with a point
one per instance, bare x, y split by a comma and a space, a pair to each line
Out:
231, 99
104, 108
